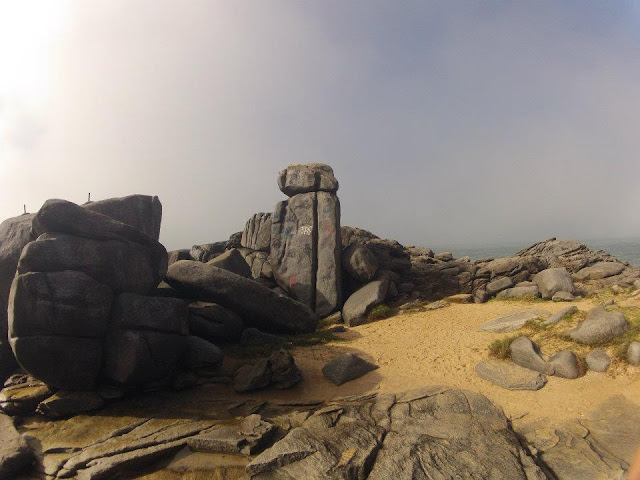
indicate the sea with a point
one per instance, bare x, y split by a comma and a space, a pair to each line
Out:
624, 249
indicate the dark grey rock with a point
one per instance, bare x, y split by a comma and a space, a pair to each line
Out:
257, 305
599, 270
138, 357
202, 355
598, 360
257, 232
355, 309
175, 255
563, 297
633, 354
132, 311
23, 398
516, 292
252, 377
15, 233
565, 364
122, 265
65, 404
527, 354
142, 212
347, 367
498, 285
405, 287
284, 371
512, 321
312, 177
329, 272
44, 355
60, 216
359, 262
215, 323
509, 375
232, 261
235, 241
59, 303
599, 326
15, 453
556, 317
481, 296
208, 251
443, 256
253, 336
553, 280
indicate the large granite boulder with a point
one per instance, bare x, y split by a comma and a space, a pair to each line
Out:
359, 262
553, 280
355, 309
306, 249
527, 354
257, 232
214, 323
142, 212
122, 265
175, 255
599, 270
233, 261
132, 311
208, 251
15, 233
305, 178
257, 305
599, 326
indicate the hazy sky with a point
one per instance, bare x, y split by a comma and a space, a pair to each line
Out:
452, 122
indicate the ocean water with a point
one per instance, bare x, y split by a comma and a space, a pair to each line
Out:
624, 249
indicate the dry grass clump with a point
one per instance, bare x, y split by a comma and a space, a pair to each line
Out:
500, 348
379, 312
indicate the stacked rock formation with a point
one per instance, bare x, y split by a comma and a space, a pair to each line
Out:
305, 237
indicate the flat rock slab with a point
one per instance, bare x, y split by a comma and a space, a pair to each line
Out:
615, 425
257, 305
15, 453
512, 321
599, 271
510, 376
516, 292
600, 326
556, 317
347, 367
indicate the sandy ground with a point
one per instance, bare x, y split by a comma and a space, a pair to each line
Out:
442, 347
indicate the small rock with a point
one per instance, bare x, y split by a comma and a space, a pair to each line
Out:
516, 292
232, 261
359, 262
444, 256
347, 367
608, 303
565, 364
598, 360
337, 329
15, 453
252, 377
460, 298
510, 376
355, 309
285, 372
633, 354
481, 296
553, 280
563, 297
202, 355
23, 398
556, 317
527, 354
600, 326
66, 404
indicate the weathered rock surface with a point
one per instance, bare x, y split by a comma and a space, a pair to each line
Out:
15, 453
23, 398
257, 305
355, 309
527, 354
138, 357
15, 233
304, 178
279, 370
64, 404
142, 212
215, 323
175, 255
208, 251
600, 326
598, 360
633, 354
556, 317
599, 270
132, 311
498, 285
510, 376
201, 356
553, 280
232, 261
565, 364
257, 232
252, 377
347, 367
512, 321
329, 272
359, 262
563, 297
517, 292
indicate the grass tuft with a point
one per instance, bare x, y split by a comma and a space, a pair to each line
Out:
500, 348
287, 342
379, 312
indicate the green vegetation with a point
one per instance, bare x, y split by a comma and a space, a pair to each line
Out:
521, 298
379, 312
500, 348
264, 348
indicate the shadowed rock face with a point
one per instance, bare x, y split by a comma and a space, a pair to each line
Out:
142, 212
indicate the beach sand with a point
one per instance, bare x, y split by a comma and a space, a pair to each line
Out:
442, 347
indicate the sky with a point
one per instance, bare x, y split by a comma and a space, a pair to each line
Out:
446, 122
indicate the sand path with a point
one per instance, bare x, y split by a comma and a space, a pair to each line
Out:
442, 347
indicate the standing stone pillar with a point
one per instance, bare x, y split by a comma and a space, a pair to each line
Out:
305, 237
